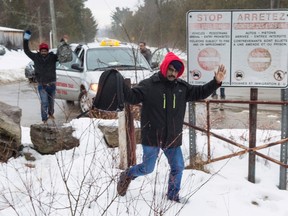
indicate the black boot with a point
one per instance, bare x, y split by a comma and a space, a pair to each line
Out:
123, 183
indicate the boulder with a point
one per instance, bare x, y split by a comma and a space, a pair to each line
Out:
110, 134
10, 131
49, 139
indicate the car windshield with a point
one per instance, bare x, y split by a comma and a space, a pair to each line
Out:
115, 57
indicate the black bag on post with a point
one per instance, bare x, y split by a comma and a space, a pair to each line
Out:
109, 95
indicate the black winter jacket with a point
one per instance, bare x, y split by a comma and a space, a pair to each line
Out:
163, 107
45, 67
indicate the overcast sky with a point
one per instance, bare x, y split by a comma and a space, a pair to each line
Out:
102, 9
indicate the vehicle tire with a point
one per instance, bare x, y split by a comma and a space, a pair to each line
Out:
84, 102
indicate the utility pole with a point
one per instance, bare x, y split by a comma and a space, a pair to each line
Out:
39, 25
53, 22
274, 4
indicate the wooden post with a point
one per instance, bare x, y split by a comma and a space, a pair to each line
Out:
130, 132
131, 138
252, 134
126, 136
122, 140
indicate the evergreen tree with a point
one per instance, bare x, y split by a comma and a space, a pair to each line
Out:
72, 18
163, 22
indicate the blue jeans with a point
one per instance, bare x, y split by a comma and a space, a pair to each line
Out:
222, 93
47, 97
175, 160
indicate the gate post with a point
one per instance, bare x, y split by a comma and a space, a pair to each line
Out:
284, 134
252, 134
122, 140
192, 134
130, 132
126, 136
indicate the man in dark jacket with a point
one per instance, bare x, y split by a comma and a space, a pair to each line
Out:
163, 97
145, 51
45, 74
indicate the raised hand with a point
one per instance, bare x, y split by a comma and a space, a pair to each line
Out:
220, 73
27, 35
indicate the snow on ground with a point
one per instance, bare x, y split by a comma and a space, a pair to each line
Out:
12, 66
83, 180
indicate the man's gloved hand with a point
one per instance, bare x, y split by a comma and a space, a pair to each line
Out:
27, 35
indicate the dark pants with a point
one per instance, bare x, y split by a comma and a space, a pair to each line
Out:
222, 93
47, 97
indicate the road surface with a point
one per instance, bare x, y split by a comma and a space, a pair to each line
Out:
24, 95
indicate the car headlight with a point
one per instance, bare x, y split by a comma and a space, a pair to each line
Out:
94, 87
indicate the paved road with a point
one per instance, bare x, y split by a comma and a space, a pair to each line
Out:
237, 115
25, 96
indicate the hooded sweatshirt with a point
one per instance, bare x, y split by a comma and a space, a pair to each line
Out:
164, 104
166, 62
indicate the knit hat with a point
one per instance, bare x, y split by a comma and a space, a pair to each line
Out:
43, 46
176, 64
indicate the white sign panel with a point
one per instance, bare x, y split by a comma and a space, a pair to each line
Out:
253, 46
209, 39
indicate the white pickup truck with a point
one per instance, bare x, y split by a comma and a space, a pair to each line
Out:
78, 80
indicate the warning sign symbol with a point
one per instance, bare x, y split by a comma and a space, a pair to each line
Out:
209, 59
239, 75
196, 74
279, 75
259, 59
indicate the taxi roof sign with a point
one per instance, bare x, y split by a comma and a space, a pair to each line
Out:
110, 42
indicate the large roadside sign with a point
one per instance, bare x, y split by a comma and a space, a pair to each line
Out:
253, 46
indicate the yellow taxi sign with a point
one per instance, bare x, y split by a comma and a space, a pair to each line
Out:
110, 42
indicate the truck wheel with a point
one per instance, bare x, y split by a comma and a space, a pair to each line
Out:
84, 102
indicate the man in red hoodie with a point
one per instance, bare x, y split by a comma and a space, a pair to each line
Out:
163, 97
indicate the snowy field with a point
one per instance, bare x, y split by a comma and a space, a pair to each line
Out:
12, 66
83, 181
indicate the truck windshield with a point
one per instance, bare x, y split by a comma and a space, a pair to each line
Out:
108, 57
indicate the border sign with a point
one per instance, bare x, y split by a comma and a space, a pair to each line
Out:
253, 46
